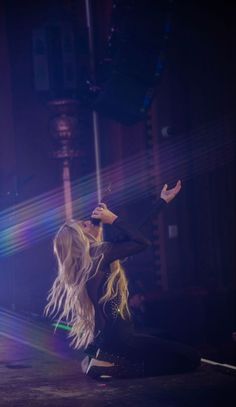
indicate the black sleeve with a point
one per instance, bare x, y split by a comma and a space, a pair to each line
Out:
112, 234
161, 203
134, 243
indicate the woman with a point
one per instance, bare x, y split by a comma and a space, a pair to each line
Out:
91, 294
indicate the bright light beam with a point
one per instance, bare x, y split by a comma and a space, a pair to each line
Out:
31, 221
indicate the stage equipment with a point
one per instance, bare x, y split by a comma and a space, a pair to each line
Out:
54, 60
135, 58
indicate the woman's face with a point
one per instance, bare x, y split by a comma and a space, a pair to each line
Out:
90, 229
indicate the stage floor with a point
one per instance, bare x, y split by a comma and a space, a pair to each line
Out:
31, 377
38, 369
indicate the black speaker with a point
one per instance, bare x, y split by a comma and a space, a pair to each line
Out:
54, 59
136, 57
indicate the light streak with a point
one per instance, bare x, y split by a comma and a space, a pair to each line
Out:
38, 218
212, 362
17, 328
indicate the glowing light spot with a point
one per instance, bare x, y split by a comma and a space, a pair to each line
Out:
62, 326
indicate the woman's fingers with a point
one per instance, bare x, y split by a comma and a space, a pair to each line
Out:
97, 212
102, 205
104, 215
178, 185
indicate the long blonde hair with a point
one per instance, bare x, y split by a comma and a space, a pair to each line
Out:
68, 298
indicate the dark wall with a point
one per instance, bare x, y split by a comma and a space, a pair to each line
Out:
197, 99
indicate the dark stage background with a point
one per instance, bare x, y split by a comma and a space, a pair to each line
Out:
188, 133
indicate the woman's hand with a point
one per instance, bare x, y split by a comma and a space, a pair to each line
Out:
170, 194
102, 212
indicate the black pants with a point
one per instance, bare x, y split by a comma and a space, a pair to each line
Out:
145, 355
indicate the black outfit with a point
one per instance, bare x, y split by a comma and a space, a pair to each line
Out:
133, 354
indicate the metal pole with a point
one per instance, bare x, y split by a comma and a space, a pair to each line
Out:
94, 114
67, 189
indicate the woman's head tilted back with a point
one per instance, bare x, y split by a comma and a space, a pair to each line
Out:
68, 298
72, 250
